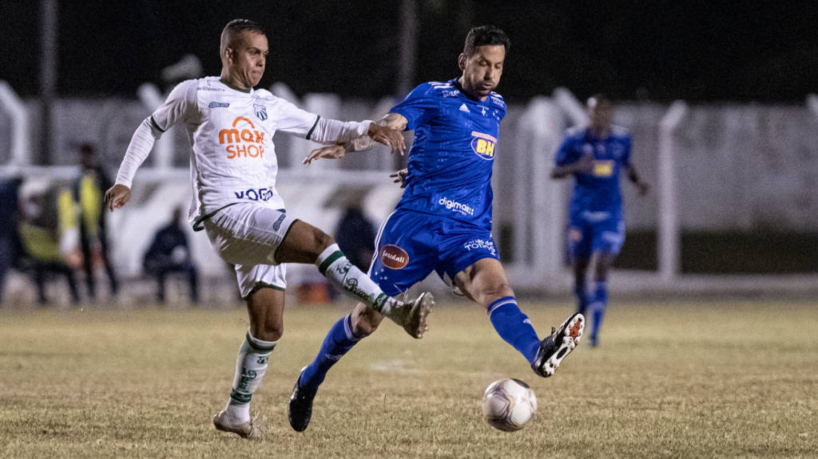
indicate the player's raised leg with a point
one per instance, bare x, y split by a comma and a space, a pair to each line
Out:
485, 282
265, 306
305, 243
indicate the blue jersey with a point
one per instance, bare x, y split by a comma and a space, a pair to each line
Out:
450, 162
597, 191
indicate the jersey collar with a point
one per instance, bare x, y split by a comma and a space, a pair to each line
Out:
243, 91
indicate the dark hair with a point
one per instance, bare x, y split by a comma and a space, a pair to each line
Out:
239, 25
485, 35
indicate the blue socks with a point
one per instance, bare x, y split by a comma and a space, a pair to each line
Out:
511, 324
338, 342
599, 303
514, 327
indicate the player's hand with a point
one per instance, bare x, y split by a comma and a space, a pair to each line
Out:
400, 177
643, 188
585, 164
329, 152
389, 137
117, 196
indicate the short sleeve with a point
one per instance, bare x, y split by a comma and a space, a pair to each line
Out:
418, 107
294, 120
180, 105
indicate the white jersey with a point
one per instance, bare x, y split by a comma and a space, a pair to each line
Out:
231, 132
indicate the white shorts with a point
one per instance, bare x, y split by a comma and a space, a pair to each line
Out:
252, 277
248, 236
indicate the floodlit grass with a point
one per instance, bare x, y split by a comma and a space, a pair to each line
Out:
670, 380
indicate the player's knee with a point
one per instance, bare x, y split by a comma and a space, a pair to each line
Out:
496, 289
602, 268
322, 240
268, 332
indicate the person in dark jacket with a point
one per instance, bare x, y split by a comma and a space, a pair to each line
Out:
356, 237
169, 253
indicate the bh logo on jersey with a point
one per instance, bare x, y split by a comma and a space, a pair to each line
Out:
394, 257
244, 143
483, 145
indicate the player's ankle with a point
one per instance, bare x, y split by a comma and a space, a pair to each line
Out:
238, 413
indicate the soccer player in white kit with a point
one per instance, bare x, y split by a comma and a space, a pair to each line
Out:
233, 171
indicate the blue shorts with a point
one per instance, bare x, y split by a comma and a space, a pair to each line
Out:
410, 245
591, 232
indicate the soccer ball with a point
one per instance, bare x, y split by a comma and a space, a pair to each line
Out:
509, 404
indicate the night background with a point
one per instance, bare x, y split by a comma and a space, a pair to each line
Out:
651, 49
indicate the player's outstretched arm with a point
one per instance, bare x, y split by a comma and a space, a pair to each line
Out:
388, 131
178, 106
328, 152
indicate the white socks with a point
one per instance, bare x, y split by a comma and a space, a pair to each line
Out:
334, 265
251, 364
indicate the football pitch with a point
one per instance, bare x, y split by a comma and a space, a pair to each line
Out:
703, 379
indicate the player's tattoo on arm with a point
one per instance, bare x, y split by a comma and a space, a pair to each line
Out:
393, 121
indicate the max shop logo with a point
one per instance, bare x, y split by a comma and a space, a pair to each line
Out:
456, 206
483, 145
261, 194
394, 257
480, 244
244, 143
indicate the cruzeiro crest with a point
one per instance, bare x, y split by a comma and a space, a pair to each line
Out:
261, 111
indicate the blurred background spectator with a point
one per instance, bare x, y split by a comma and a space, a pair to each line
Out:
9, 238
48, 230
356, 237
89, 188
169, 253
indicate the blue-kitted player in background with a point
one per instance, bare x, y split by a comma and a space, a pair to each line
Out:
596, 157
443, 221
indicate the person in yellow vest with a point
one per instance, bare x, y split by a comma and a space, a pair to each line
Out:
48, 236
89, 188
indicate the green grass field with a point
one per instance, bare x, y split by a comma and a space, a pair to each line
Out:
670, 380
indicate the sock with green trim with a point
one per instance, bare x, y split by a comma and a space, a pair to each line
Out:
251, 364
334, 265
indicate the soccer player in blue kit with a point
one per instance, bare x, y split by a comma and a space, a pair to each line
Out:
595, 157
443, 221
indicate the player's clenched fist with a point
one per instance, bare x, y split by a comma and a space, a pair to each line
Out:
117, 196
